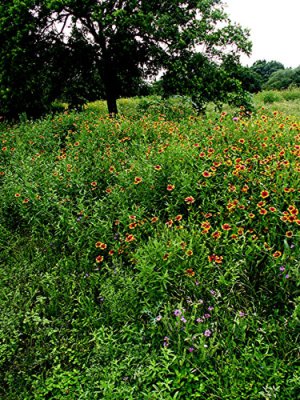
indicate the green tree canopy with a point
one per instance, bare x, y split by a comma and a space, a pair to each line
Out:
128, 40
282, 79
266, 68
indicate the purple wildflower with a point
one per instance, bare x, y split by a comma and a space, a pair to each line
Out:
207, 315
183, 320
199, 320
177, 313
207, 333
282, 268
191, 349
210, 308
166, 341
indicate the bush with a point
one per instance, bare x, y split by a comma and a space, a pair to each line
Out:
172, 108
269, 97
283, 79
291, 94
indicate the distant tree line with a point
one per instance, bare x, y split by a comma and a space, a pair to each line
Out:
269, 75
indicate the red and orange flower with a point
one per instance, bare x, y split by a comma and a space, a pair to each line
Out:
226, 227
170, 187
189, 200
190, 272
206, 174
264, 194
137, 180
277, 254
129, 238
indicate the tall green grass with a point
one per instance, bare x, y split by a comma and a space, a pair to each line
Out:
150, 256
287, 101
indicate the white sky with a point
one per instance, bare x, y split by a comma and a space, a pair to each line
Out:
274, 26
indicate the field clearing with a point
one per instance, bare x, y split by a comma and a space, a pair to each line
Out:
150, 256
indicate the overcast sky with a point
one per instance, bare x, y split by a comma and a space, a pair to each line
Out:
274, 26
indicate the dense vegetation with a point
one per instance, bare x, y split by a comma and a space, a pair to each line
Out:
76, 50
150, 256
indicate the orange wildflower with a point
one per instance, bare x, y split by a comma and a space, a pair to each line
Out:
129, 238
263, 211
226, 227
169, 223
277, 254
189, 200
132, 225
264, 194
240, 231
215, 258
216, 235
206, 174
206, 225
170, 188
261, 203
190, 272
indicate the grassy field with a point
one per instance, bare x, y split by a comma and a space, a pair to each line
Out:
151, 256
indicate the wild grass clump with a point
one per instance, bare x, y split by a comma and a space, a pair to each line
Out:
150, 258
287, 101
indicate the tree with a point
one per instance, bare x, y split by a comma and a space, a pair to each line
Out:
135, 39
283, 79
266, 68
250, 80
21, 53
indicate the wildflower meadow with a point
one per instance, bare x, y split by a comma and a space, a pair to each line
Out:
150, 256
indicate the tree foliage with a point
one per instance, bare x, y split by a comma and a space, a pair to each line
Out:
266, 68
283, 79
113, 44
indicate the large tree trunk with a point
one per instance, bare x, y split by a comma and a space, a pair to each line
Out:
111, 88
111, 104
